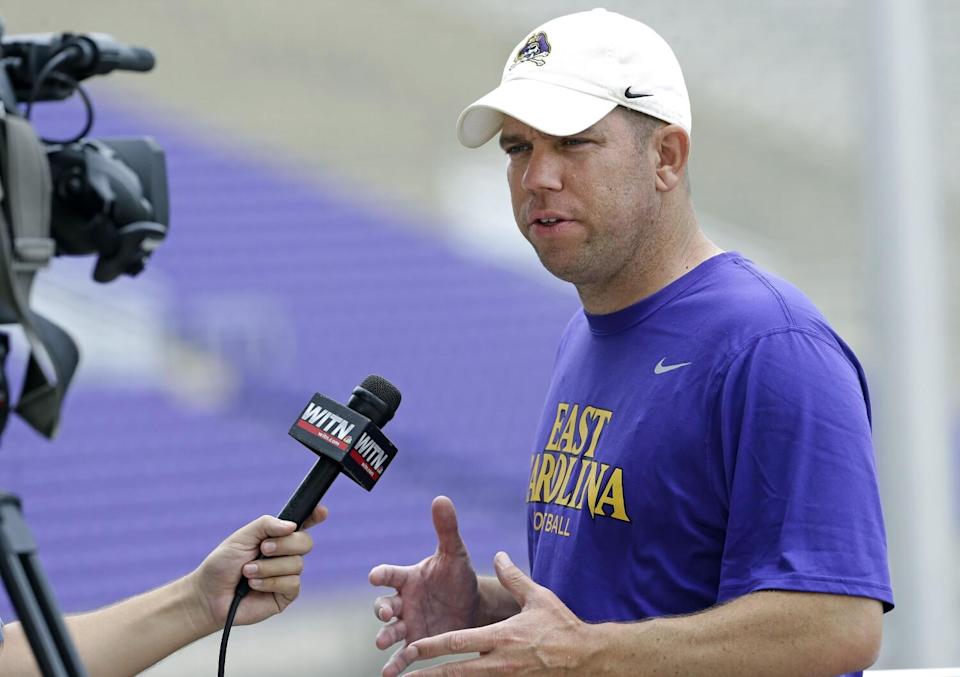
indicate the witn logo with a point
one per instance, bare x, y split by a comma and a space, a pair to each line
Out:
327, 426
369, 455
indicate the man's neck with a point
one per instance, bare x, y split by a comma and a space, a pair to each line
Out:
654, 269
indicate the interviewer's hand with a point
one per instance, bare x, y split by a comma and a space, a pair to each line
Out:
274, 581
545, 638
437, 595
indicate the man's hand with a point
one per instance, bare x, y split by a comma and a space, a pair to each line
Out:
439, 594
545, 638
769, 632
274, 581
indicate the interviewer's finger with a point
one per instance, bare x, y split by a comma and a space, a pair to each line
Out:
274, 566
387, 607
253, 533
288, 586
297, 543
390, 635
318, 515
389, 575
459, 641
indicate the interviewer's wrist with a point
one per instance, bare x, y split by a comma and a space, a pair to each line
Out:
195, 605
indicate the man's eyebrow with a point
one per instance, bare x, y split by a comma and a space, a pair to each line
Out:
509, 139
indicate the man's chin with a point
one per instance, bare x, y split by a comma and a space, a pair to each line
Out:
575, 267
562, 270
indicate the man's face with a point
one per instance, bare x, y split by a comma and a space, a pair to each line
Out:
585, 202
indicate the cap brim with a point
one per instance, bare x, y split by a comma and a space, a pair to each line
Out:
549, 108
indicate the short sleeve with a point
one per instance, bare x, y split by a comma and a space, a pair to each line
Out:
800, 476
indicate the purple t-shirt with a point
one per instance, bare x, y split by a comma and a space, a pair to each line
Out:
708, 441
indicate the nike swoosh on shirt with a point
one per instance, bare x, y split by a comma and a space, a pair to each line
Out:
662, 368
630, 95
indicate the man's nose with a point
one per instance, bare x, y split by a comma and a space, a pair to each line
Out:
544, 171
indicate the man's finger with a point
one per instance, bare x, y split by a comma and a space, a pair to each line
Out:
459, 641
388, 575
390, 635
515, 581
318, 515
396, 664
445, 524
475, 666
387, 607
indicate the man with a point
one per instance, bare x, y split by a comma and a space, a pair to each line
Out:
703, 496
127, 638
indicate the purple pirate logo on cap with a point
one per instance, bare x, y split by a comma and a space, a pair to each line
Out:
535, 49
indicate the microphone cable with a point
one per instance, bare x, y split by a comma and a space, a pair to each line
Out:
231, 614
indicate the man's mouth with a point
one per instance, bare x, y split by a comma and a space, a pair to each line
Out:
546, 218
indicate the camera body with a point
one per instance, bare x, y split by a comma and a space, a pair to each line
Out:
109, 196
77, 196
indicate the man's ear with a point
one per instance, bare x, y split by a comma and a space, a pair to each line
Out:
673, 146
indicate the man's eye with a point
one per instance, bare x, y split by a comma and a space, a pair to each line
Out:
574, 142
517, 148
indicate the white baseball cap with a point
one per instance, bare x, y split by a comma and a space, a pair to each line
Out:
573, 70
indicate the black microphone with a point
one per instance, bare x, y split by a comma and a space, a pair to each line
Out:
33, 57
85, 54
329, 430
107, 54
348, 441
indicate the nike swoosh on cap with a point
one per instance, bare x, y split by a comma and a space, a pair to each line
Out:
630, 95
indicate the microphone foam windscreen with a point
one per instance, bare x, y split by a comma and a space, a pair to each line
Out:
383, 389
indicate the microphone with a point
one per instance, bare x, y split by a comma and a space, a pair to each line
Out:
348, 441
34, 57
102, 54
84, 54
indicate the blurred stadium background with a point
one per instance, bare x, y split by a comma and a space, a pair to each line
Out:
327, 225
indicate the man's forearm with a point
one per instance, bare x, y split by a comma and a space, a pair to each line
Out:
763, 633
123, 639
496, 604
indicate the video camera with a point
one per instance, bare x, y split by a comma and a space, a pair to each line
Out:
73, 196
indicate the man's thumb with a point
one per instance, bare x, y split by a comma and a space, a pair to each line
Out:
515, 581
445, 524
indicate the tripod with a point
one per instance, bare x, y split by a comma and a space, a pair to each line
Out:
31, 595
25, 581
